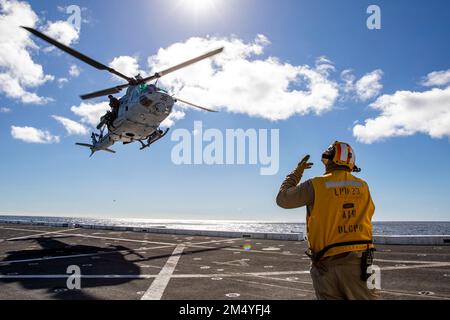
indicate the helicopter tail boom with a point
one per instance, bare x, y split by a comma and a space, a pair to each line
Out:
93, 148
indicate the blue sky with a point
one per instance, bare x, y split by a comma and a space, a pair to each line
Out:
408, 174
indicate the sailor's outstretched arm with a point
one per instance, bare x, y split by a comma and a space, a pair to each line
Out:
291, 194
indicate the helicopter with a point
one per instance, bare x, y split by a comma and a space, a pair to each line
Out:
136, 116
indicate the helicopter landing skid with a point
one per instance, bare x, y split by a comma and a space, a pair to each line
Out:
158, 134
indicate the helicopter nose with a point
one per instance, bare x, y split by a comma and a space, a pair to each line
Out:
146, 100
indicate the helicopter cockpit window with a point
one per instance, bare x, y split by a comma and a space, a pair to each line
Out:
145, 88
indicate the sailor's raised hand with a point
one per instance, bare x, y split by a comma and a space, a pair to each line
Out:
303, 165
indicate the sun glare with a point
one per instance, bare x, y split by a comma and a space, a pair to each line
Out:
199, 7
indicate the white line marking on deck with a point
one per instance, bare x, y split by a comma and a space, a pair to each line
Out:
409, 261
156, 289
150, 276
235, 263
417, 266
77, 255
19, 229
175, 244
118, 239
59, 257
194, 245
408, 294
216, 241
272, 285
290, 279
91, 236
39, 234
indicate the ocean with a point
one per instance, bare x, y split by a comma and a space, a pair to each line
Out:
379, 228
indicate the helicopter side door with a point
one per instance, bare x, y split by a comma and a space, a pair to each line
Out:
123, 108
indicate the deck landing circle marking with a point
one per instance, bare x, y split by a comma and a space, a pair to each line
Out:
426, 293
271, 249
233, 295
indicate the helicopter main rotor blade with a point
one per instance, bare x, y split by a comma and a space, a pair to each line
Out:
193, 105
103, 92
183, 65
76, 54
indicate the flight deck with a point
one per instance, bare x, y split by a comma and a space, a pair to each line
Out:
37, 262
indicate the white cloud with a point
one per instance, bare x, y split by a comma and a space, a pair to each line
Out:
90, 113
61, 31
240, 81
13, 88
405, 113
33, 135
367, 87
72, 127
126, 65
62, 81
437, 78
324, 65
5, 110
18, 71
348, 79
74, 71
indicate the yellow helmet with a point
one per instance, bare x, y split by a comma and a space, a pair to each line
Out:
342, 154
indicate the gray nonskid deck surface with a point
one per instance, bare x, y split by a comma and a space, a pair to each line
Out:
130, 265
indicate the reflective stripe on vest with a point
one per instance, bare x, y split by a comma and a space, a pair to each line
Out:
342, 213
